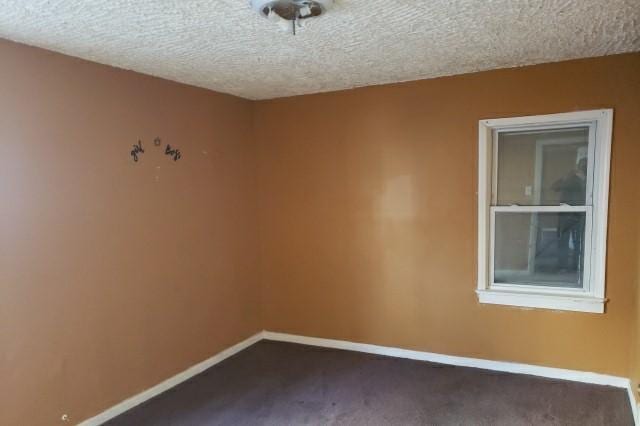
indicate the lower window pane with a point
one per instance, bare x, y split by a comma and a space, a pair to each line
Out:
545, 249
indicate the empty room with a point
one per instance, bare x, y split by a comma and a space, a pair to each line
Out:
319, 212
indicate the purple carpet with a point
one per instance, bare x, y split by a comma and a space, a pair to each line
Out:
274, 383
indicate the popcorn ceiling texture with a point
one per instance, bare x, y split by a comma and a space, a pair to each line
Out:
225, 46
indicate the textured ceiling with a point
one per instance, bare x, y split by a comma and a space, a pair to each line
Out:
223, 45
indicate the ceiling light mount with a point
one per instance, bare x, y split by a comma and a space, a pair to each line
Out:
290, 14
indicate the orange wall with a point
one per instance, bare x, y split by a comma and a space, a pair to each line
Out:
114, 275
347, 215
368, 215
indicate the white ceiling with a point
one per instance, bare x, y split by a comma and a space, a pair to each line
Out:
225, 46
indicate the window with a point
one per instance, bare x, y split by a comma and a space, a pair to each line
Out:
542, 210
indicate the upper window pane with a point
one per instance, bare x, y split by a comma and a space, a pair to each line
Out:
543, 167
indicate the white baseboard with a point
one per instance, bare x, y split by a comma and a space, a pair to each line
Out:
635, 406
170, 382
508, 367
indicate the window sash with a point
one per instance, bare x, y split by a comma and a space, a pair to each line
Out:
591, 152
586, 262
561, 208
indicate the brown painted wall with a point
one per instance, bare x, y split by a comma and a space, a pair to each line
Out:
114, 275
368, 215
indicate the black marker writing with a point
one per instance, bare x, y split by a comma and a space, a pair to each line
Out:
175, 153
137, 149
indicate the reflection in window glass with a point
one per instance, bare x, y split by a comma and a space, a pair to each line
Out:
539, 248
547, 167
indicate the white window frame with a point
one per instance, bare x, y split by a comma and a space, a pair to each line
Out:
590, 298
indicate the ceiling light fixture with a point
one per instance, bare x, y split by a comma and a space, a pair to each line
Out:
289, 14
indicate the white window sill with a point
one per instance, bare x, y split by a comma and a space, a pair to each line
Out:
543, 301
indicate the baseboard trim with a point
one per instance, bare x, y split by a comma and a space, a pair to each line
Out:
507, 367
170, 382
485, 364
635, 406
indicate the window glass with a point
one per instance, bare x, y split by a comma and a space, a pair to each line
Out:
545, 167
544, 249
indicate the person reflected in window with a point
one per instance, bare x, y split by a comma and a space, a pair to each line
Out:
571, 189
